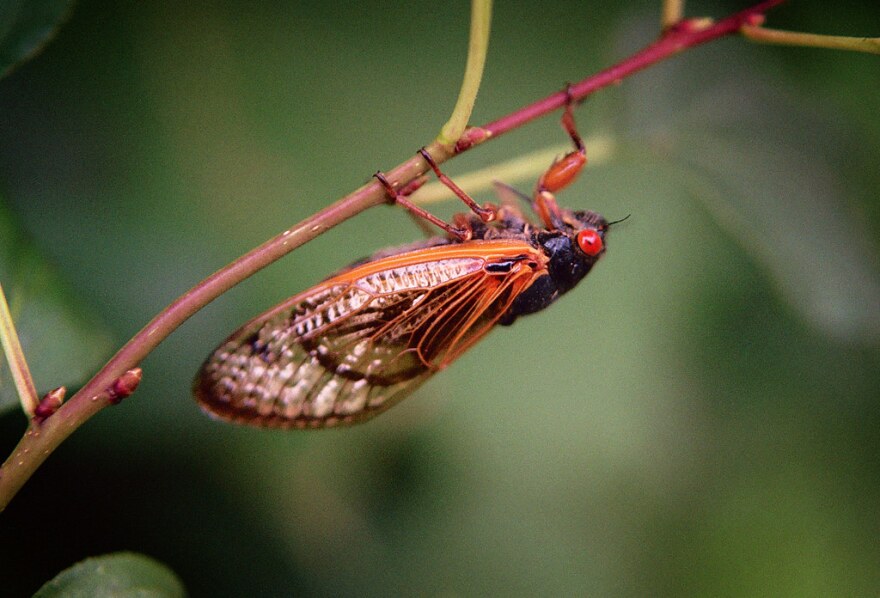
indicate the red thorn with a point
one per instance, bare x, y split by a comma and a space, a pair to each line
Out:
49, 404
124, 385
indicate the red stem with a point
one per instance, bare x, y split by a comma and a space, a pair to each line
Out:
43, 437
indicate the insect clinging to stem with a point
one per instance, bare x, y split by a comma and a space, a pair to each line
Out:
360, 341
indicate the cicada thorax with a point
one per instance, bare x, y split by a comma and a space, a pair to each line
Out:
355, 344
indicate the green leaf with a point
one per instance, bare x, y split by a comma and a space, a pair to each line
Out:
61, 344
26, 26
115, 575
782, 174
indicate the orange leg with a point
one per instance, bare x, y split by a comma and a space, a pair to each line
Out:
460, 227
486, 213
561, 173
463, 233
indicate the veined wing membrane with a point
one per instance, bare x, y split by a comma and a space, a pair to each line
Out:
357, 343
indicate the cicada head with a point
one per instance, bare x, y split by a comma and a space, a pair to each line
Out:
574, 248
589, 233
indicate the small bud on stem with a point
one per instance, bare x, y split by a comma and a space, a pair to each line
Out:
471, 137
49, 404
125, 385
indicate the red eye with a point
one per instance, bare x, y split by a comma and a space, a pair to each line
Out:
590, 242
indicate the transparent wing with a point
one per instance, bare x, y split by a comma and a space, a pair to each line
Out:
356, 344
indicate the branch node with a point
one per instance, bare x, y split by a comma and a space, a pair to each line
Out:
49, 404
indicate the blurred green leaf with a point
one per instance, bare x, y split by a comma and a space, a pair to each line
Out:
780, 173
61, 344
114, 575
787, 206
26, 26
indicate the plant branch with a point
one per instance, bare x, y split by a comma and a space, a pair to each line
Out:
763, 35
41, 438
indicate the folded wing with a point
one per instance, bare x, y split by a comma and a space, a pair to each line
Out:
359, 342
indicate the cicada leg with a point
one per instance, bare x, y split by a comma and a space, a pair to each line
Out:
460, 228
562, 172
486, 213
401, 199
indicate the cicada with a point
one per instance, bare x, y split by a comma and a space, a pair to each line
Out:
360, 341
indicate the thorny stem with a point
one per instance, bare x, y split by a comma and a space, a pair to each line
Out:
41, 439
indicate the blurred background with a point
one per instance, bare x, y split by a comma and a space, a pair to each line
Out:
699, 417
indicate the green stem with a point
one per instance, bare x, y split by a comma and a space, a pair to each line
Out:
21, 374
871, 45
478, 46
672, 13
